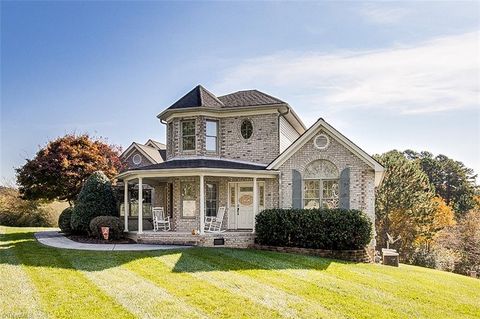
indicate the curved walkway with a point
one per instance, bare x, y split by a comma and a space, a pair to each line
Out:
58, 240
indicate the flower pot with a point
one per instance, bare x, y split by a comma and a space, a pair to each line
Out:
105, 232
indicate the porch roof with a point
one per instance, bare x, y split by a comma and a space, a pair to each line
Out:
199, 166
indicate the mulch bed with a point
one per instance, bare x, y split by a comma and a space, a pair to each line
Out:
91, 240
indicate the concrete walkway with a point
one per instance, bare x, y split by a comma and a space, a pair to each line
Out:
58, 240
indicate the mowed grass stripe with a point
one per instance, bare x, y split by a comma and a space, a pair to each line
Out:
419, 296
318, 285
215, 301
63, 291
137, 294
18, 297
427, 298
287, 304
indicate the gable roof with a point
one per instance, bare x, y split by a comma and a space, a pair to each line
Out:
249, 98
155, 144
199, 96
151, 153
305, 137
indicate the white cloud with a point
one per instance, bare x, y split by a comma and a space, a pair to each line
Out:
382, 14
433, 76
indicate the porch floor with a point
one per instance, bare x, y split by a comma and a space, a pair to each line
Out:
229, 238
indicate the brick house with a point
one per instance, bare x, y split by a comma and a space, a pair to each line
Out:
246, 151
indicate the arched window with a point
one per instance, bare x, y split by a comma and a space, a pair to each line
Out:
320, 180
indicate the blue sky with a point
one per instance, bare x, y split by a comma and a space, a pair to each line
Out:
389, 75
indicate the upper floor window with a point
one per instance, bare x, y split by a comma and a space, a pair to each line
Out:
188, 135
320, 185
211, 134
246, 129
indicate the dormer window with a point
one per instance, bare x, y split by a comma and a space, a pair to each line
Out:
211, 136
188, 135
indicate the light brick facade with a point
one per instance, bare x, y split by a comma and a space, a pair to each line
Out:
362, 177
262, 147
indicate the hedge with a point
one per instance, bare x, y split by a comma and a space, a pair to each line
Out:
97, 198
64, 220
338, 229
114, 223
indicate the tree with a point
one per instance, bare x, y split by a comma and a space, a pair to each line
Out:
97, 198
462, 239
454, 182
403, 203
60, 168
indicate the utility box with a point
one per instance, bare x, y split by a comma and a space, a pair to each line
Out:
390, 258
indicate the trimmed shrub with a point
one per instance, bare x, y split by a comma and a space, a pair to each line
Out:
114, 223
64, 220
339, 229
96, 198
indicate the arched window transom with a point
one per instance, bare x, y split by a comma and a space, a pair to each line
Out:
320, 180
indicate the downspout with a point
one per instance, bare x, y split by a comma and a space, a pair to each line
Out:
280, 197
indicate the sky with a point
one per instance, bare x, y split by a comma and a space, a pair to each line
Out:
388, 75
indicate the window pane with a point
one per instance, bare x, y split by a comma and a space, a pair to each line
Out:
232, 196
211, 143
211, 128
188, 128
188, 143
211, 199
311, 203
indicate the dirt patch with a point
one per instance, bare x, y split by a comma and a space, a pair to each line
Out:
91, 240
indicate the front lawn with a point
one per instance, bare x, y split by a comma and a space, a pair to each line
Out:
42, 282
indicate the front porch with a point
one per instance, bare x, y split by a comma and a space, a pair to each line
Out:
188, 197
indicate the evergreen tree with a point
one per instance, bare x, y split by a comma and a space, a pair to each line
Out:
97, 198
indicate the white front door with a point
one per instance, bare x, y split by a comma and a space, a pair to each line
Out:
245, 205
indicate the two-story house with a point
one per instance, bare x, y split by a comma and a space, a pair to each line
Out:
245, 151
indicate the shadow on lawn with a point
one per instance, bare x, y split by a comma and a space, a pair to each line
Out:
27, 251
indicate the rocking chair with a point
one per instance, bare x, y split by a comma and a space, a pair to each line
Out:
213, 224
160, 221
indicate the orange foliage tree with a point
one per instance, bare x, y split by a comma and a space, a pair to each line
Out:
59, 169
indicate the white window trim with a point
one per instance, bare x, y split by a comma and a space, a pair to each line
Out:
195, 134
216, 136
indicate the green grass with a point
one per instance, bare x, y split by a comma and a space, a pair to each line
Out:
41, 282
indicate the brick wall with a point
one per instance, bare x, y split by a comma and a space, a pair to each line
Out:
262, 147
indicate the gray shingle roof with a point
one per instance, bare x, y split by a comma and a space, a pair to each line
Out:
249, 98
199, 96
201, 163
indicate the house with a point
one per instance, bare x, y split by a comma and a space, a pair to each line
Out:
246, 151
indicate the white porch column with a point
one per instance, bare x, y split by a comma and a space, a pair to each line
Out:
255, 202
202, 205
140, 206
125, 204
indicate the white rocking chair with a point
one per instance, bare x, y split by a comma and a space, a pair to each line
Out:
213, 224
160, 221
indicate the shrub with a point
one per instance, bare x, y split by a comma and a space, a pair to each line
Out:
96, 198
338, 229
114, 223
64, 220
17, 212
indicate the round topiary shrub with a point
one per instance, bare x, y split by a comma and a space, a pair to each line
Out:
97, 198
64, 220
338, 229
114, 223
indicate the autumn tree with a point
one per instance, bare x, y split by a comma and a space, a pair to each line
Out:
403, 202
60, 168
